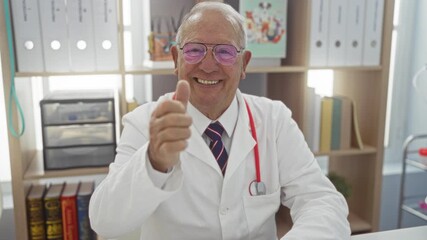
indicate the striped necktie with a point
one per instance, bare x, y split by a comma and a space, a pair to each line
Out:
214, 132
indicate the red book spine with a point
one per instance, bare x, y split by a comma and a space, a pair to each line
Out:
69, 218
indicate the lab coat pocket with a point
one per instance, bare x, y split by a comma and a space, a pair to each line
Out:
260, 214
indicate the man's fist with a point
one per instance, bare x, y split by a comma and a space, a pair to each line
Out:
170, 129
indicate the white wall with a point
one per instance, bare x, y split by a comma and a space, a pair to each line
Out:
417, 121
5, 175
408, 107
408, 111
399, 86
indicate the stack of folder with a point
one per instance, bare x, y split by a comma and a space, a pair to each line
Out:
65, 36
346, 32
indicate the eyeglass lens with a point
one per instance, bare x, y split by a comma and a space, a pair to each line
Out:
224, 54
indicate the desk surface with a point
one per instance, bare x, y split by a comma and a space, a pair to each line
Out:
414, 233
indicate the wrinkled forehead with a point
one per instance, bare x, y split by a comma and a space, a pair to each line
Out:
209, 27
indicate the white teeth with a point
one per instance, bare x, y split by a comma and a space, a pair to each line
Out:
207, 82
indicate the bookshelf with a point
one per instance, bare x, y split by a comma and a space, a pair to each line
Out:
367, 86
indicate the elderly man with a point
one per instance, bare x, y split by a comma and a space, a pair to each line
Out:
209, 162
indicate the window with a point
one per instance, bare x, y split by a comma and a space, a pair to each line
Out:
5, 175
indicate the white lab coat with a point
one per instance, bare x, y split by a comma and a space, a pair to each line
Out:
197, 202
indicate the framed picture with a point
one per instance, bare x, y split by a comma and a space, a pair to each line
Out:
266, 27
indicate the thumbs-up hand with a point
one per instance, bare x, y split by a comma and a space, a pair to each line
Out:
170, 129
182, 92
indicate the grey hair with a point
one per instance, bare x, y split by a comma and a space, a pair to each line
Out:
236, 20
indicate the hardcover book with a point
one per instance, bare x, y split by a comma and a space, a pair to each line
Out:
326, 124
83, 196
35, 212
346, 120
69, 211
52, 209
336, 123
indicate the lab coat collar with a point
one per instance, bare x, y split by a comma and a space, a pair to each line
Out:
241, 145
228, 119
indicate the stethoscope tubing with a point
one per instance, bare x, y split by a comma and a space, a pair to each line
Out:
254, 135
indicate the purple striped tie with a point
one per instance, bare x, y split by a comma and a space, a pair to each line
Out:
214, 132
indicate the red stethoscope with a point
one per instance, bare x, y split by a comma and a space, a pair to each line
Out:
256, 187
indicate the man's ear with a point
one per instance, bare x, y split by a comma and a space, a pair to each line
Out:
246, 59
174, 51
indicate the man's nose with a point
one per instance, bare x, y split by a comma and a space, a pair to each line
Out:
209, 63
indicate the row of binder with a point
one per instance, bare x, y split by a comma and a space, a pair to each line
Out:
65, 35
346, 32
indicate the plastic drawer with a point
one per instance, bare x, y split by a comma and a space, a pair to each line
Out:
77, 112
76, 157
87, 134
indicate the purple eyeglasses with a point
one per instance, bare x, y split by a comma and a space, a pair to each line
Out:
224, 54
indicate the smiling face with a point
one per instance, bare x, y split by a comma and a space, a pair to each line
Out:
212, 85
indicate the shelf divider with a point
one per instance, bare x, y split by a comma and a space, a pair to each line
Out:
36, 171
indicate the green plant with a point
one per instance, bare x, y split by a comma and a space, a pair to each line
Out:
340, 184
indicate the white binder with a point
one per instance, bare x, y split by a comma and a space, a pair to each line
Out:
81, 37
27, 37
354, 36
312, 119
55, 35
319, 33
373, 32
337, 32
106, 35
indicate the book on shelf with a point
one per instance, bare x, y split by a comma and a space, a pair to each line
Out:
339, 128
336, 123
52, 209
69, 211
346, 120
35, 212
326, 124
83, 196
312, 119
356, 138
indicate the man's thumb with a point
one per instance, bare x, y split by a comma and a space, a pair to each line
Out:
182, 92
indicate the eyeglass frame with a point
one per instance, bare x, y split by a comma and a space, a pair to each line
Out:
212, 47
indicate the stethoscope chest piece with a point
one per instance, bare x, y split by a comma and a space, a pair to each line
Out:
257, 188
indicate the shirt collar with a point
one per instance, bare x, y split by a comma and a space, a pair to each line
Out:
228, 119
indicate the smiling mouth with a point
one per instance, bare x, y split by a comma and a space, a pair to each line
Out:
206, 82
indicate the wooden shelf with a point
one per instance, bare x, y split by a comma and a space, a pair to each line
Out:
141, 70
168, 71
350, 68
279, 69
50, 74
348, 152
366, 85
36, 171
358, 225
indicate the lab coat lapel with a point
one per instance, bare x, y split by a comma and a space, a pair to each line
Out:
243, 142
199, 149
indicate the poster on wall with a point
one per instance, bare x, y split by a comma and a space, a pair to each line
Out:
266, 27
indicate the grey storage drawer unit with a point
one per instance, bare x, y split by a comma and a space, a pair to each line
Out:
78, 128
